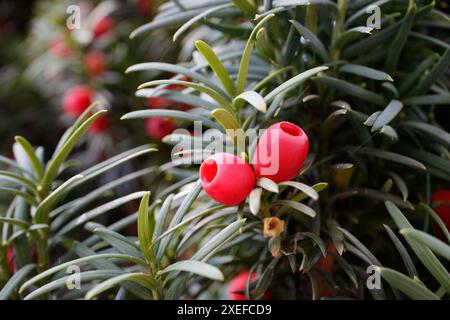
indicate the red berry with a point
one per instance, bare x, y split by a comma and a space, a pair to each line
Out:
227, 178
185, 107
6, 27
60, 49
237, 284
10, 259
176, 87
443, 210
94, 63
325, 265
163, 103
158, 128
76, 100
144, 7
280, 152
34, 254
159, 103
103, 26
99, 125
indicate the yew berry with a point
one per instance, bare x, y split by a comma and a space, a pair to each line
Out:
280, 152
158, 128
324, 267
76, 100
60, 49
34, 254
103, 26
185, 107
159, 103
227, 178
6, 27
144, 7
99, 125
95, 63
10, 259
178, 87
163, 103
442, 209
326, 264
237, 285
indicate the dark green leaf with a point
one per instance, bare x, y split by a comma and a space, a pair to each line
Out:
439, 68
366, 72
79, 261
143, 279
196, 267
396, 46
312, 40
406, 285
300, 207
199, 17
389, 113
391, 156
351, 89
403, 252
170, 114
293, 82
429, 99
15, 281
215, 95
436, 245
422, 252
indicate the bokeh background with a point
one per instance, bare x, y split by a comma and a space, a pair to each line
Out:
43, 62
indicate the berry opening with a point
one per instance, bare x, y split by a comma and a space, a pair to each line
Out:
208, 171
290, 128
272, 224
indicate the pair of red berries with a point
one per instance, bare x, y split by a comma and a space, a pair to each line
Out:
279, 156
76, 100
